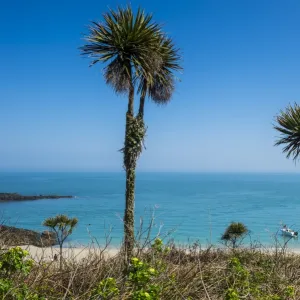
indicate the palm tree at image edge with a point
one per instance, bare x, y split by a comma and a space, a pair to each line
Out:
288, 125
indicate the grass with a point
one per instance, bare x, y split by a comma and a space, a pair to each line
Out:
159, 272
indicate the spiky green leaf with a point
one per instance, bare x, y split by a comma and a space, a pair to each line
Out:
288, 124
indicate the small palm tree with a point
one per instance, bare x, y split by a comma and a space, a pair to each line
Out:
288, 124
234, 232
63, 227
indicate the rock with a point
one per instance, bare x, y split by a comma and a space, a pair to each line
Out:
13, 236
18, 197
48, 234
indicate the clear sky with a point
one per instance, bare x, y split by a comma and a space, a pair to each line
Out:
241, 66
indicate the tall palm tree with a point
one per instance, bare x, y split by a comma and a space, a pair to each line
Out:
128, 46
288, 124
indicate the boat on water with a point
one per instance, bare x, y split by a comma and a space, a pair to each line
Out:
285, 231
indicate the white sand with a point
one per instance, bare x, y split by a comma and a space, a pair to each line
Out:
78, 253
48, 253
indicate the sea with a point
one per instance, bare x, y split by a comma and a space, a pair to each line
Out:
184, 207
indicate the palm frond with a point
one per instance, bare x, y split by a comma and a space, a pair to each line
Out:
116, 75
162, 89
288, 124
123, 39
160, 84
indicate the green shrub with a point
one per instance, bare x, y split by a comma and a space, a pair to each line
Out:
10, 292
140, 278
231, 294
107, 289
15, 260
233, 233
158, 245
245, 284
5, 286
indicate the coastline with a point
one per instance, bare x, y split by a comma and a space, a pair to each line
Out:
7, 197
69, 253
79, 253
194, 205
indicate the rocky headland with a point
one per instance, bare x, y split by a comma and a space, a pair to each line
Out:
18, 197
13, 236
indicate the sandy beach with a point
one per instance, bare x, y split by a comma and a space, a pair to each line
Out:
77, 253
48, 253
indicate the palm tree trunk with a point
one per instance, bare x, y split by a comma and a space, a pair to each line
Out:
142, 104
60, 258
130, 183
130, 179
129, 213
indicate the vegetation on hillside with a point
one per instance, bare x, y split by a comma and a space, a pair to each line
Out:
159, 272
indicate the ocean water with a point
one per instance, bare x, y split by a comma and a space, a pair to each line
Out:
196, 206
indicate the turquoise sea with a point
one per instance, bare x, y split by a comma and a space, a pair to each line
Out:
197, 205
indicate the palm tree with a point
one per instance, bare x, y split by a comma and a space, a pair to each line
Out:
63, 227
288, 124
128, 45
234, 232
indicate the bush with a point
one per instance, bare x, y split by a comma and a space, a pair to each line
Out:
233, 233
15, 260
107, 289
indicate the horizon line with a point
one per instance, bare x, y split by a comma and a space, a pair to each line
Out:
151, 171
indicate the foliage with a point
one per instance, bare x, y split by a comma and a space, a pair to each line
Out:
238, 280
62, 225
160, 272
134, 141
234, 232
158, 245
124, 41
231, 294
162, 84
15, 260
134, 45
5, 286
140, 279
243, 284
10, 292
288, 124
107, 289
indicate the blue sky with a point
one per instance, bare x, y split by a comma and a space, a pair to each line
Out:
241, 66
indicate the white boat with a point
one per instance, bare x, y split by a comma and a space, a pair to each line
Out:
288, 232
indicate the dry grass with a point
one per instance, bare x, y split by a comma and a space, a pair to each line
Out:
185, 273
182, 272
